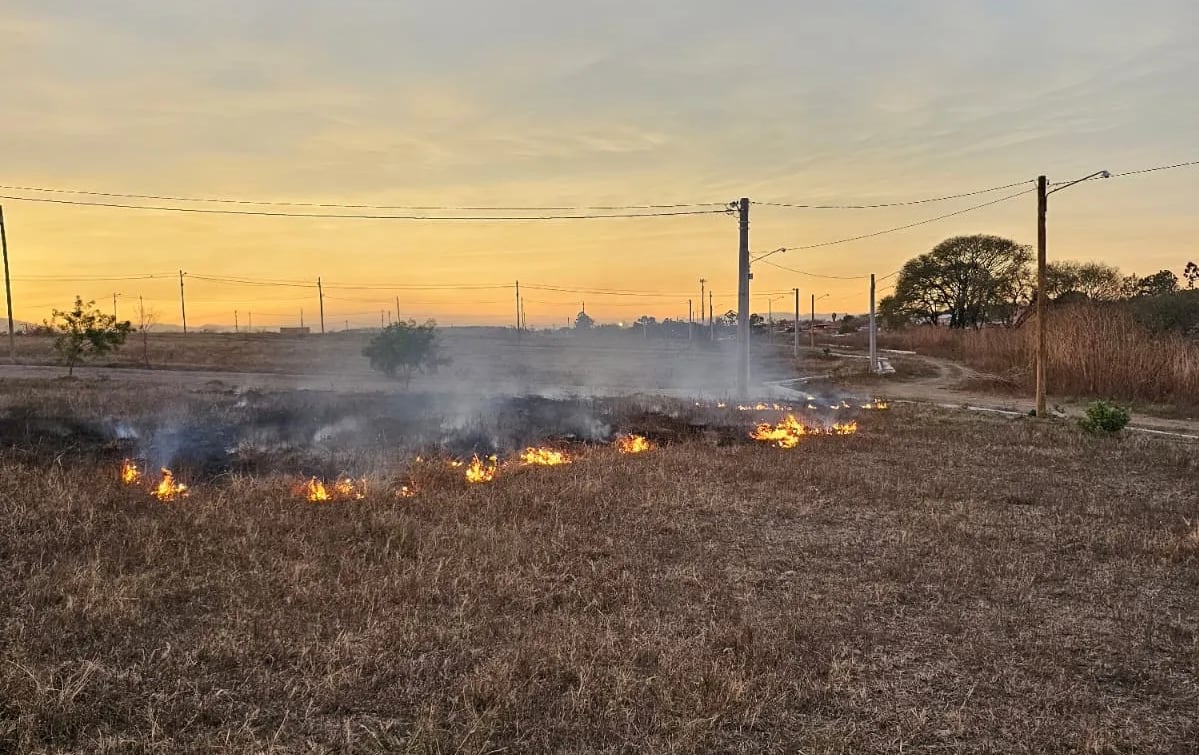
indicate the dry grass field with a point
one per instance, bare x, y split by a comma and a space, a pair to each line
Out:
936, 582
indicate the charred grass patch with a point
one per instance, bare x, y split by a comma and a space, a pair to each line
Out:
935, 582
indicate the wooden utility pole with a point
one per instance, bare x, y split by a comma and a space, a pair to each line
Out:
236, 329
249, 322
182, 302
321, 293
702, 281
711, 320
301, 317
1042, 209
873, 336
12, 341
397, 308
690, 321
796, 328
743, 278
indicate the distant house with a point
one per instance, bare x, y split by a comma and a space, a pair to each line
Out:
301, 331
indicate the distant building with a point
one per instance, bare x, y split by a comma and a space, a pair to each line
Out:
301, 331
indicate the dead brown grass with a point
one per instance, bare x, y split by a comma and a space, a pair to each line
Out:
938, 582
1093, 352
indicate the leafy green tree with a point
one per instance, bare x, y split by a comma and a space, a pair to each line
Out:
972, 279
83, 332
1191, 273
1161, 282
849, 324
404, 348
892, 315
1090, 280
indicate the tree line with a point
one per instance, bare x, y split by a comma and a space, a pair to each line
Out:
971, 281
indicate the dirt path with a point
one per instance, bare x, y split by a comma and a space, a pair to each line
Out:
944, 388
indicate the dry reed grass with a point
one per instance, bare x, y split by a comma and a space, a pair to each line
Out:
1093, 352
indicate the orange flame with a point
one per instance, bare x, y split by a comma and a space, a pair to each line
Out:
788, 433
845, 428
130, 474
349, 490
785, 434
478, 472
341, 489
633, 444
168, 489
314, 490
876, 404
543, 457
406, 491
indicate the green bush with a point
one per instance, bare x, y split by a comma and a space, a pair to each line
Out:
1103, 417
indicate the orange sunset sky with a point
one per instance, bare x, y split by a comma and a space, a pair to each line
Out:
534, 102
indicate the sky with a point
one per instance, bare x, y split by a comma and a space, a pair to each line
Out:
548, 103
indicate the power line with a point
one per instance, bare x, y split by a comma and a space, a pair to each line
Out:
907, 203
1154, 170
926, 221
663, 210
816, 275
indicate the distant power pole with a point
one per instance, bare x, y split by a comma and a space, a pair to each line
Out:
380, 319
397, 308
743, 278
321, 293
690, 320
518, 310
812, 327
250, 322
796, 290
702, 281
711, 319
301, 317
12, 341
873, 331
114, 305
182, 303
235, 323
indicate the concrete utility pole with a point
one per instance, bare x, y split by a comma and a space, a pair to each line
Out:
182, 303
743, 278
873, 331
320, 292
796, 328
518, 311
711, 319
812, 325
12, 341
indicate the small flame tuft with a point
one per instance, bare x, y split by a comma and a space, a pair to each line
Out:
845, 428
130, 474
785, 434
633, 444
543, 457
315, 491
406, 491
168, 489
341, 489
479, 472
